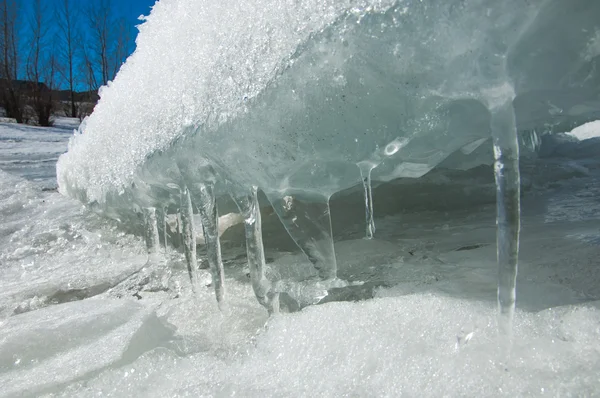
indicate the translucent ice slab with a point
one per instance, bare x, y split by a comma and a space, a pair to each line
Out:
302, 99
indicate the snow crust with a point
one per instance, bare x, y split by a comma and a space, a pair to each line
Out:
292, 95
53, 251
44, 349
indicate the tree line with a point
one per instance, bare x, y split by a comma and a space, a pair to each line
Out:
55, 55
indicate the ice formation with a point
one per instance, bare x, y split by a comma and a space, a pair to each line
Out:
302, 99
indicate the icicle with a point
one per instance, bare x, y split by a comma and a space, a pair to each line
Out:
188, 234
156, 274
365, 174
506, 168
210, 224
161, 218
250, 209
309, 224
366, 167
166, 236
177, 233
151, 233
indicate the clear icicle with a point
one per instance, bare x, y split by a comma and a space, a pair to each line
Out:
249, 207
506, 168
165, 229
210, 225
176, 237
366, 167
151, 233
309, 225
161, 217
365, 174
156, 274
188, 235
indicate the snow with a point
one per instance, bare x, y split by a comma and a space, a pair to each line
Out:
587, 131
22, 153
424, 323
380, 348
41, 350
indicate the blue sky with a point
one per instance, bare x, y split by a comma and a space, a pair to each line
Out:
130, 10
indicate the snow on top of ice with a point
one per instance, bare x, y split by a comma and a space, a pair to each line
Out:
183, 56
291, 95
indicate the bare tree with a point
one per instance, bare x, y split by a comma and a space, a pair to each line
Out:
88, 78
10, 95
122, 45
110, 39
101, 24
41, 64
68, 30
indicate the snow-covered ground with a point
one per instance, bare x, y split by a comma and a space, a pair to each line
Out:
425, 325
33, 151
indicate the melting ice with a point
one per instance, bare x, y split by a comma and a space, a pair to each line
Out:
291, 98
